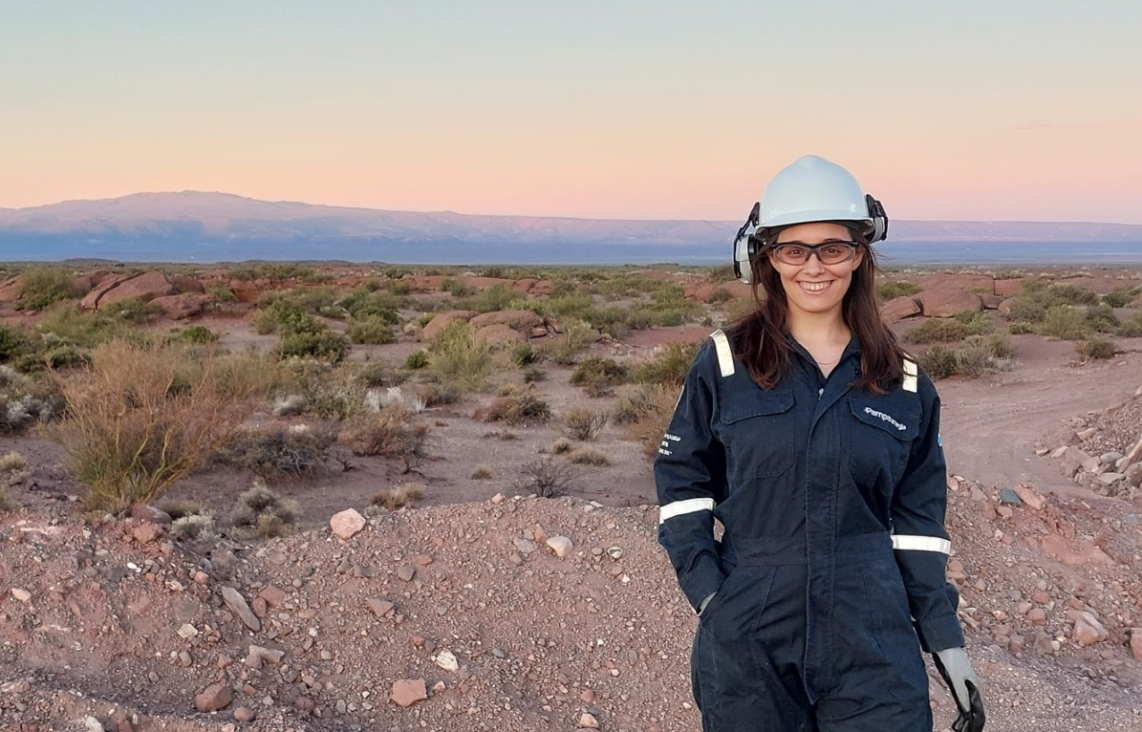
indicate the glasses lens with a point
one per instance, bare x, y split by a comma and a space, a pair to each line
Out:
831, 253
792, 253
835, 253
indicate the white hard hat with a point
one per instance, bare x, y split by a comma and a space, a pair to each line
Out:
811, 189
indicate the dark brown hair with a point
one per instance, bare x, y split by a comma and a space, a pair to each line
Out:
760, 341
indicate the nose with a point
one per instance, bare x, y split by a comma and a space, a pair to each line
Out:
813, 263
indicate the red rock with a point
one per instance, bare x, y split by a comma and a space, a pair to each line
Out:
407, 692
944, 302
1088, 630
213, 698
147, 512
1008, 288
244, 714
146, 287
1031, 497
347, 523
244, 290
899, 308
11, 289
500, 334
82, 284
187, 284
259, 606
1136, 643
272, 595
991, 302
518, 319
1037, 616
147, 533
437, 325
379, 607
177, 307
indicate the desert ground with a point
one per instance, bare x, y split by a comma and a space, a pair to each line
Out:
334, 497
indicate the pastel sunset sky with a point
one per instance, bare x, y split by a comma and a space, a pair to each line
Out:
975, 109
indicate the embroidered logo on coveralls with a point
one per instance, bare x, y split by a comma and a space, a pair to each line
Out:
884, 417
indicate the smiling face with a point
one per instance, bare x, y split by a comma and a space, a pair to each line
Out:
813, 288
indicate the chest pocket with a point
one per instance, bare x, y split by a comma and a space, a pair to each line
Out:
758, 431
882, 433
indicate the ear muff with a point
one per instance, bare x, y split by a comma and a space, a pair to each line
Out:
746, 245
879, 219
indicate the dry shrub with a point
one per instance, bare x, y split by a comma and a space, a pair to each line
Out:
561, 446
194, 527
482, 472
389, 433
650, 417
438, 395
1093, 349
399, 496
11, 462
278, 451
669, 365
460, 358
142, 417
546, 478
584, 423
589, 457
565, 349
178, 508
7, 503
504, 436
267, 513
519, 406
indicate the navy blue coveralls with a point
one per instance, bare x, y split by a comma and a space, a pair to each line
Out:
829, 578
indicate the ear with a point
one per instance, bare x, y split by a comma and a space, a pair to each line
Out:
859, 257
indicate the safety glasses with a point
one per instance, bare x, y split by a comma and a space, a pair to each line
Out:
831, 252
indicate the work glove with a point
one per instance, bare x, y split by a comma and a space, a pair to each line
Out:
962, 681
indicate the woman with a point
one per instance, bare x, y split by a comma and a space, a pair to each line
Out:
810, 435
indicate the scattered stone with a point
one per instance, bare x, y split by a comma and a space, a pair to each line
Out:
187, 631
257, 655
15, 688
1110, 478
380, 608
561, 545
245, 714
237, 604
1136, 643
1110, 458
407, 692
406, 572
21, 595
1074, 459
213, 698
588, 721
1038, 616
1009, 497
272, 595
1088, 630
1088, 433
347, 523
524, 546
147, 533
1031, 497
447, 661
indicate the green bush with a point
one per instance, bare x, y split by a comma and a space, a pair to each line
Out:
899, 288
523, 354
12, 343
1131, 328
519, 406
565, 349
596, 375
1064, 322
977, 321
669, 366
1025, 311
1073, 294
363, 303
416, 360
132, 310
1101, 318
460, 358
1119, 298
455, 288
1020, 328
199, 334
938, 360
1096, 348
938, 330
494, 298
325, 345
373, 331
44, 286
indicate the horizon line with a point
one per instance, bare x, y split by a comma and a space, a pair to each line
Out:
518, 216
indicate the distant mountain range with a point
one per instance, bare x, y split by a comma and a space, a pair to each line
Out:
211, 227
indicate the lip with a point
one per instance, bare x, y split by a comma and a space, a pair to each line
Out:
806, 285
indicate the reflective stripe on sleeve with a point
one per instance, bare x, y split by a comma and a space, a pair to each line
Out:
725, 356
690, 505
921, 544
911, 372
